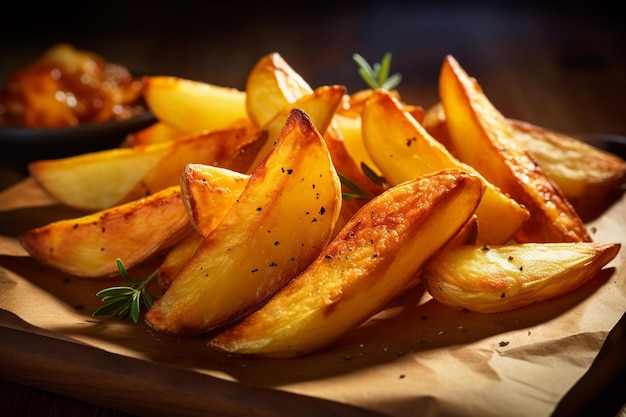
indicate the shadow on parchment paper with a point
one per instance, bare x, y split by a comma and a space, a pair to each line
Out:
16, 221
412, 323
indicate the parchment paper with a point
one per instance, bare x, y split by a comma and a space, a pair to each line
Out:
416, 358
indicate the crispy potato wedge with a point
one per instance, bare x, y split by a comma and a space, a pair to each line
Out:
320, 106
103, 179
89, 246
590, 178
403, 150
194, 106
501, 278
271, 85
368, 264
208, 193
483, 138
279, 224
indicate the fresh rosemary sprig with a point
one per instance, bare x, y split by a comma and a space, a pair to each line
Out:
126, 300
377, 76
355, 191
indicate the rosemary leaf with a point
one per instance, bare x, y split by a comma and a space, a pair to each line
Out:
123, 301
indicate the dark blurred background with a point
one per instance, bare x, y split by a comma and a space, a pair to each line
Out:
535, 60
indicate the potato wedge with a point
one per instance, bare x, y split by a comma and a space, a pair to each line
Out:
351, 130
368, 264
403, 150
194, 106
103, 179
495, 279
158, 132
353, 104
279, 224
176, 258
320, 106
89, 246
590, 178
483, 138
209, 192
271, 85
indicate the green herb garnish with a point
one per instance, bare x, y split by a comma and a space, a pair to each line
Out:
355, 191
377, 75
126, 300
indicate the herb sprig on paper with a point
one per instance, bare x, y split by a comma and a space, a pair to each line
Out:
123, 301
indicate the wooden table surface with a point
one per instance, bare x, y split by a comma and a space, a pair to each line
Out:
559, 67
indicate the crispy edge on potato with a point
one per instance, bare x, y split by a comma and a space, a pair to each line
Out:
280, 223
369, 263
208, 193
320, 106
88, 246
404, 150
590, 178
484, 138
495, 279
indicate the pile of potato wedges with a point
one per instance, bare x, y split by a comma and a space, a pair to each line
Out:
243, 195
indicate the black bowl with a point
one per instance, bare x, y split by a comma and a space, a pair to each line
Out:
23, 145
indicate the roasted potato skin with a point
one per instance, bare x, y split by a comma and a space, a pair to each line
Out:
483, 138
89, 246
590, 178
371, 261
495, 279
402, 149
281, 221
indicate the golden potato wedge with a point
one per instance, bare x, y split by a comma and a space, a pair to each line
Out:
320, 106
353, 104
103, 179
403, 150
208, 193
158, 132
194, 106
368, 264
493, 279
271, 85
176, 258
279, 224
483, 138
89, 246
435, 124
350, 127
590, 178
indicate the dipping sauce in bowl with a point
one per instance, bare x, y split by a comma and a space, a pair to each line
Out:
67, 102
